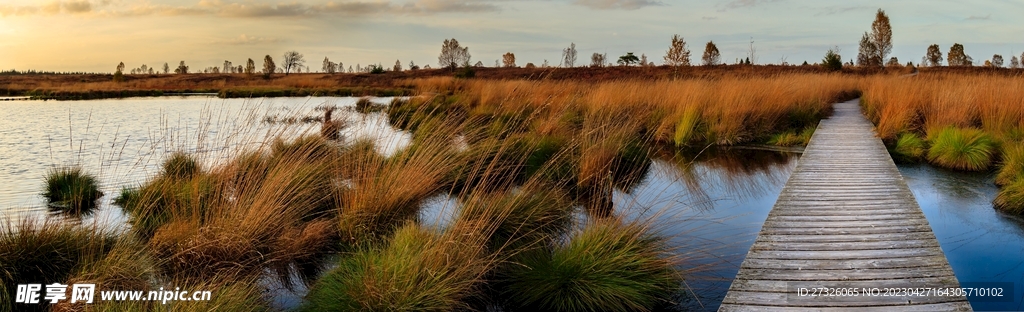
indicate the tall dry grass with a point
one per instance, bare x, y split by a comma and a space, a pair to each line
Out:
968, 120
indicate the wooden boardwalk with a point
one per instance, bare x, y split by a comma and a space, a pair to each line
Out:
844, 219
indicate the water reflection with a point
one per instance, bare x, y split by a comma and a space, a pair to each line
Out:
982, 244
712, 205
123, 141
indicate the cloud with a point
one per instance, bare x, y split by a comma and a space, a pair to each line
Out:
250, 9
50, 8
709, 18
247, 40
833, 10
978, 18
736, 4
617, 4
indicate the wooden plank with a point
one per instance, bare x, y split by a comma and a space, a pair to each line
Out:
844, 217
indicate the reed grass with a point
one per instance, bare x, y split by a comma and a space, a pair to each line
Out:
45, 253
1012, 164
1011, 197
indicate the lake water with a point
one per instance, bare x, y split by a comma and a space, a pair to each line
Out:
712, 205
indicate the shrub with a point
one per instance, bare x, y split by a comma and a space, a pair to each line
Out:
909, 148
180, 166
71, 190
962, 149
832, 60
788, 138
608, 266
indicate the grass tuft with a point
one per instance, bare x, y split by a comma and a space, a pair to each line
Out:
71, 190
1013, 164
909, 148
966, 149
608, 266
1011, 198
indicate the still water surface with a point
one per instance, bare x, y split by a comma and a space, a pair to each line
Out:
711, 205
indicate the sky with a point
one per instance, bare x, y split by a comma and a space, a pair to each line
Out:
95, 35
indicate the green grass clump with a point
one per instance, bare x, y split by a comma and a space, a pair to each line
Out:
1011, 197
962, 149
608, 266
788, 138
419, 270
909, 148
1013, 164
71, 190
687, 128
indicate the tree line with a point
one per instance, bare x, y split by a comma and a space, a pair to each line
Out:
874, 49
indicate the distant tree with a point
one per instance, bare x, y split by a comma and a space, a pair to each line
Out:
240, 69
643, 59
711, 54
119, 72
376, 69
328, 66
597, 60
530, 65
426, 66
228, 68
250, 67
398, 66
167, 69
957, 57
893, 62
628, 59
120, 67
988, 63
832, 61
1014, 62
509, 59
350, 69
569, 55
752, 52
412, 66
268, 66
997, 60
677, 54
292, 61
182, 69
881, 35
867, 55
747, 61
933, 56
215, 70
545, 64
479, 64
150, 70
452, 54
143, 69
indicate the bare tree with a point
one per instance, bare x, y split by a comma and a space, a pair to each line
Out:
167, 69
509, 59
268, 66
677, 54
597, 60
569, 55
120, 68
957, 56
752, 53
933, 56
250, 67
1014, 62
997, 60
412, 66
452, 54
881, 35
711, 55
643, 59
398, 66
292, 61
182, 69
228, 68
